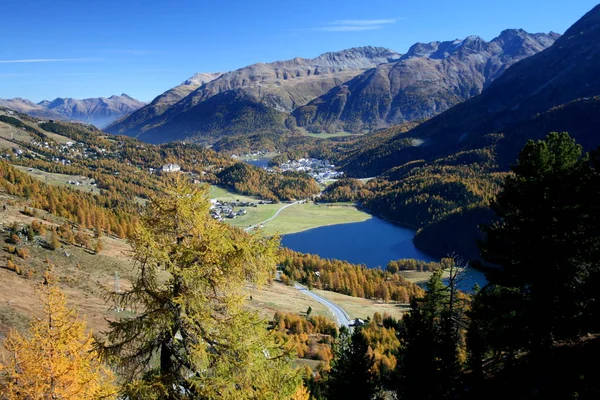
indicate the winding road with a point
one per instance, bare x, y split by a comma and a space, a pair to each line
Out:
337, 311
339, 314
273, 217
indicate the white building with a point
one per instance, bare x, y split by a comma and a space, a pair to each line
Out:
171, 168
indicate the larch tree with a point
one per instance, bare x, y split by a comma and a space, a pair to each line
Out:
190, 335
56, 359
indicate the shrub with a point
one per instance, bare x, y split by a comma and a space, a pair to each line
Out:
23, 253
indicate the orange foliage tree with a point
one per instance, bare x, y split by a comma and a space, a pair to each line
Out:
55, 360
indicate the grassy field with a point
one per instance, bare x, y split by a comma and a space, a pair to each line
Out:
362, 308
59, 179
6, 130
5, 144
220, 193
280, 297
60, 139
10, 132
301, 217
326, 135
296, 218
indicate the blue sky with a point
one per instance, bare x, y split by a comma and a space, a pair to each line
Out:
92, 48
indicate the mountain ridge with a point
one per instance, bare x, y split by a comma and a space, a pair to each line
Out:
564, 72
280, 86
357, 90
430, 78
99, 111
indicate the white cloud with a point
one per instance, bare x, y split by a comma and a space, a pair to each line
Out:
353, 25
363, 22
48, 60
349, 28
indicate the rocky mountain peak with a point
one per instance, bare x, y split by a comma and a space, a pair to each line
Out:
201, 78
428, 79
376, 54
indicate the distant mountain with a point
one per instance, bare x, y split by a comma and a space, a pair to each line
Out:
429, 79
255, 98
96, 111
160, 104
30, 108
566, 71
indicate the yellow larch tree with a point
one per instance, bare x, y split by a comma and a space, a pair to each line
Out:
56, 359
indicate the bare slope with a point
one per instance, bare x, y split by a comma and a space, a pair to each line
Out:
254, 98
429, 79
566, 71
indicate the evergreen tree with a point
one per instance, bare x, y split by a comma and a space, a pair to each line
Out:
191, 336
546, 240
428, 364
351, 375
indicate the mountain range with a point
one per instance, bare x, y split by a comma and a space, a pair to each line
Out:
254, 98
99, 111
440, 176
428, 79
532, 90
359, 89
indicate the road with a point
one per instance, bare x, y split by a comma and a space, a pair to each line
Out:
339, 314
273, 217
336, 310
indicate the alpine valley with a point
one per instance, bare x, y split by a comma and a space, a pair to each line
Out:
357, 90
440, 213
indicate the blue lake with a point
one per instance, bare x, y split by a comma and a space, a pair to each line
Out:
373, 242
259, 162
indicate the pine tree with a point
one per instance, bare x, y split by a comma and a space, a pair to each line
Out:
191, 336
429, 361
352, 375
56, 360
547, 242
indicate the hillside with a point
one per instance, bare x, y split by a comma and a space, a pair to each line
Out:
562, 73
265, 91
429, 79
126, 168
440, 176
131, 123
73, 196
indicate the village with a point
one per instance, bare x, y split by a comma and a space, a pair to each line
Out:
320, 170
220, 210
76, 150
